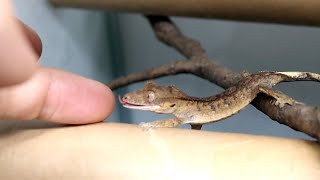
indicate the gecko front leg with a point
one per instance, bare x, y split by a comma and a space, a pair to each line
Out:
166, 123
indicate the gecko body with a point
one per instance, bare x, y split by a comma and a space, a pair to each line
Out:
197, 111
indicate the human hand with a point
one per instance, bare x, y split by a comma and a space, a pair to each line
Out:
29, 91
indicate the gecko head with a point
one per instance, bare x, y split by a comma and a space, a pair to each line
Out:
153, 97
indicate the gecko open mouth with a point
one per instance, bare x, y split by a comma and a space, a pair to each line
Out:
138, 106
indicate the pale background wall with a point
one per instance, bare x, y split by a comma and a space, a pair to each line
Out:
101, 45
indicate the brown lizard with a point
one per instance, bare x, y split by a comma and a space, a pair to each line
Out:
197, 111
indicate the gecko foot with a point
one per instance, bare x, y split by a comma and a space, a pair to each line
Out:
164, 123
280, 101
146, 126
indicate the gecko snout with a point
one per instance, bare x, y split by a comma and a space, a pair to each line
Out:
123, 99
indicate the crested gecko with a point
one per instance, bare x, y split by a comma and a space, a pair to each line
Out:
197, 111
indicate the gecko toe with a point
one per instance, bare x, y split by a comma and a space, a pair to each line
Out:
146, 126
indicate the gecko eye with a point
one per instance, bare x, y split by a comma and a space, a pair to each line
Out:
151, 96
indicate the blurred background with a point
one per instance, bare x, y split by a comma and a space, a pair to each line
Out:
103, 45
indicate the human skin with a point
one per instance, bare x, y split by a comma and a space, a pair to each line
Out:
122, 151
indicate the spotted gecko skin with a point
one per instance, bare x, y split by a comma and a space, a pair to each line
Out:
198, 111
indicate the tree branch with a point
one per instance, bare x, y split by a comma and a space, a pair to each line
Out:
169, 34
299, 117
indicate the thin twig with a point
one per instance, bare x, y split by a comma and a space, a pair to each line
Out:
203, 68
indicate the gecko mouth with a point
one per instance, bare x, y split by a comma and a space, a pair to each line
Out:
138, 106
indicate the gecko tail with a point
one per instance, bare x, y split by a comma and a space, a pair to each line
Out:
301, 76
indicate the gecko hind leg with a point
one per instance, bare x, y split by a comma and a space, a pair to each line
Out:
280, 98
196, 126
163, 123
